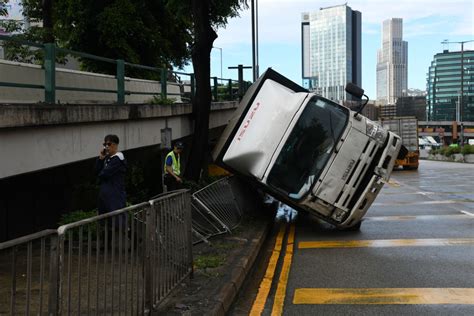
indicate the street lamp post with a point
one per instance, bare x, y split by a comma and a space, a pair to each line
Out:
254, 17
220, 50
461, 101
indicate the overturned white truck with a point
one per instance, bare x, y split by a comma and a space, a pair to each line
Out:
309, 152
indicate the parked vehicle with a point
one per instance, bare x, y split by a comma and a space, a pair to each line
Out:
307, 151
426, 144
407, 128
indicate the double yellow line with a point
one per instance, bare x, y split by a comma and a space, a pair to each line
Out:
265, 285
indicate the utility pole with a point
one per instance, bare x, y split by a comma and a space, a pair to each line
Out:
461, 101
254, 9
220, 49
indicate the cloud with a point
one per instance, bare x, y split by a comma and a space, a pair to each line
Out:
279, 20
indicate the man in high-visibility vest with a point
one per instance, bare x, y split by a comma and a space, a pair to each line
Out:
172, 168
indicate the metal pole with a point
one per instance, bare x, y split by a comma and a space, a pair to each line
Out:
50, 73
253, 41
120, 81
461, 109
257, 66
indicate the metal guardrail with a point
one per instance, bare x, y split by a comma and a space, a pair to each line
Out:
126, 261
222, 89
215, 210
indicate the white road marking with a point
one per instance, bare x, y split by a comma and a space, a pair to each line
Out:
467, 213
424, 202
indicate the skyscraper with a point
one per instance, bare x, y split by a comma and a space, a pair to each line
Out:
392, 63
444, 87
331, 50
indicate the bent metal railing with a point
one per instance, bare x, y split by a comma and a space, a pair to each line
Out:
215, 210
126, 261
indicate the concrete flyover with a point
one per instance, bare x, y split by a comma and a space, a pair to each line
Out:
34, 137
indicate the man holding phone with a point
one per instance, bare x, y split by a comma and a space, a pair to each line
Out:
111, 168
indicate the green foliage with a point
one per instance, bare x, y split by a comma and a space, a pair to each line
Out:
138, 31
449, 151
468, 149
76, 216
3, 8
209, 261
135, 184
157, 99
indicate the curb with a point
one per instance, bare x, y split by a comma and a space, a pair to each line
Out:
238, 275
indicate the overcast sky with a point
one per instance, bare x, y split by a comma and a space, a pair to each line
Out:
426, 24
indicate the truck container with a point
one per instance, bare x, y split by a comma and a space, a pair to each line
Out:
407, 128
307, 151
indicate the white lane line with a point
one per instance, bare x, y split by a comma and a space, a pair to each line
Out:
467, 213
424, 202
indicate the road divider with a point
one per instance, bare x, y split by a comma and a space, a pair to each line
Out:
285, 271
385, 243
265, 285
368, 296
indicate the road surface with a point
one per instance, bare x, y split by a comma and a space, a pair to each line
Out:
414, 254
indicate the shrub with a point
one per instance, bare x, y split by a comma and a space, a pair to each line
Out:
452, 150
468, 149
157, 99
76, 216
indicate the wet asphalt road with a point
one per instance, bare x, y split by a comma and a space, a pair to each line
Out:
427, 216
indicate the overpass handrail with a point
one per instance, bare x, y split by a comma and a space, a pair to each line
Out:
223, 91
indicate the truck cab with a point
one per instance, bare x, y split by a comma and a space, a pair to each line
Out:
307, 151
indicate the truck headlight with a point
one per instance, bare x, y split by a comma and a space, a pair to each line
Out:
376, 131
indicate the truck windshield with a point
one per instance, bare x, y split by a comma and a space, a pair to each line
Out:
308, 147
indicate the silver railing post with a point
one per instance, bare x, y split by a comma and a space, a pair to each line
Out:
149, 246
54, 277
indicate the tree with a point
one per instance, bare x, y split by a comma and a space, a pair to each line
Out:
3, 8
204, 17
139, 31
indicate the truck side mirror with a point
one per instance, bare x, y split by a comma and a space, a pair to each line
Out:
357, 92
354, 90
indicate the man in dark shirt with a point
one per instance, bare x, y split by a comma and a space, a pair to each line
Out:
111, 167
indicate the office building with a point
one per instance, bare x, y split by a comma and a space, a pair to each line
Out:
331, 50
412, 106
444, 87
392, 63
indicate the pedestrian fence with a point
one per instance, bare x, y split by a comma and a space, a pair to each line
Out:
215, 210
142, 81
126, 261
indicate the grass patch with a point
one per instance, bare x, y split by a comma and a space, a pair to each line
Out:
209, 261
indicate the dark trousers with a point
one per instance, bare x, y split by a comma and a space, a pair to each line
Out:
171, 183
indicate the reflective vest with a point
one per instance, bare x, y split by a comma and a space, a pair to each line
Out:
176, 166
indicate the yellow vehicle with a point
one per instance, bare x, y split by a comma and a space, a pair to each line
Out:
407, 128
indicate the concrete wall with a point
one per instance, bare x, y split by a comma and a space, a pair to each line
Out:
14, 72
36, 137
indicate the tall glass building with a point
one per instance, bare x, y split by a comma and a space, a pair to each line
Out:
392, 62
444, 87
331, 50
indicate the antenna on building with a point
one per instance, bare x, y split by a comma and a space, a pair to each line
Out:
445, 43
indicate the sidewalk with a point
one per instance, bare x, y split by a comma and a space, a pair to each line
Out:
220, 269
